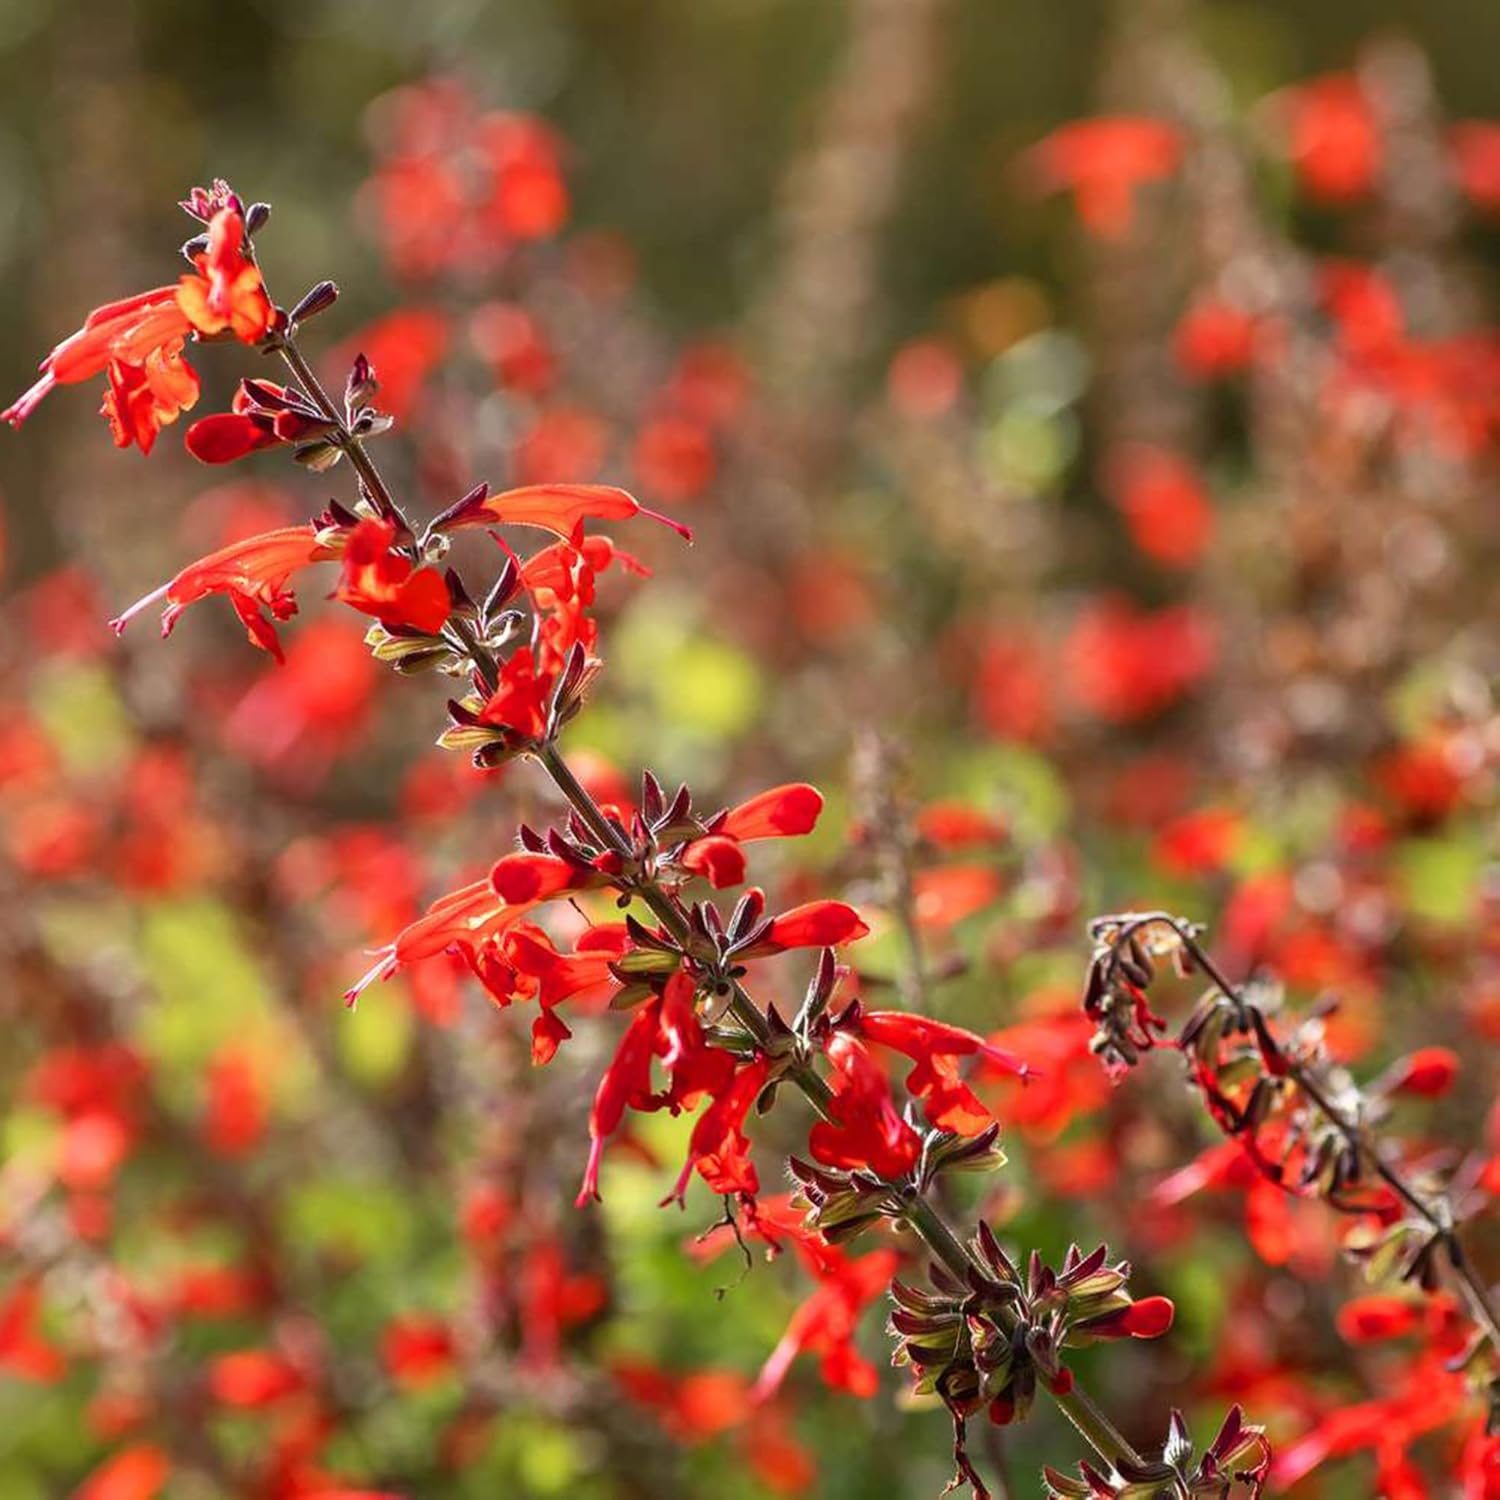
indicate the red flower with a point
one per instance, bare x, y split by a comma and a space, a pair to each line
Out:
253, 573
719, 860
718, 1146
956, 825
945, 896
379, 581
1102, 162
826, 1323
626, 1081
1164, 503
782, 812
934, 1047
1377, 1317
559, 508
462, 921
1332, 137
1428, 1073
261, 415
1214, 339
236, 1116
226, 295
674, 458
23, 1350
1476, 152
416, 1350
866, 1131
136, 1473
816, 924
138, 342
1126, 664
1145, 1318
253, 1378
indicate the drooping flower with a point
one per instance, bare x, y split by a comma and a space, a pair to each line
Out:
253, 573
1164, 503
825, 1324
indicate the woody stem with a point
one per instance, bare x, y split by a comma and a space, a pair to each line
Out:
925, 1221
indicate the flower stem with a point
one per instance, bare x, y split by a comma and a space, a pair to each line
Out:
923, 1218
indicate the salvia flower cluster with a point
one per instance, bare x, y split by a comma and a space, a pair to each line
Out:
673, 972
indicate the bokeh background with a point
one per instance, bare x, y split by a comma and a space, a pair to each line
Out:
1185, 614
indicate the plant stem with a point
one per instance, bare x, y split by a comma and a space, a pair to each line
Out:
364, 465
1096, 1429
1436, 1213
925, 1221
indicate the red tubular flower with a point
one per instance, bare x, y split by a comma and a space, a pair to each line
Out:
228, 435
138, 343
866, 1132
522, 700
719, 860
525, 878
1377, 1317
559, 508
582, 975
381, 582
135, 1473
627, 1078
417, 1350
1145, 1318
816, 924
718, 1146
253, 573
253, 1378
1428, 1073
226, 295
782, 812
934, 1047
462, 921
825, 1324
1102, 162
23, 1351
1164, 503
261, 415
1332, 137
